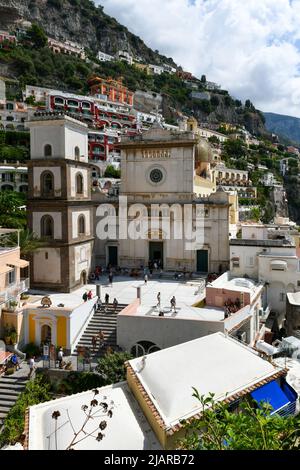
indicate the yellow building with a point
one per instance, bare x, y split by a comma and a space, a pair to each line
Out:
58, 325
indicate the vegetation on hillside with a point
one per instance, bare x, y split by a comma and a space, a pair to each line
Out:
14, 146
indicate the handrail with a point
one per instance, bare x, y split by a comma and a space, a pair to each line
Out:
82, 328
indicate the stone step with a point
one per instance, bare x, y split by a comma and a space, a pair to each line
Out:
15, 386
6, 403
11, 393
12, 380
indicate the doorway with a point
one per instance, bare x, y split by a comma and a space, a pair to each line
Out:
113, 255
46, 334
202, 261
83, 278
156, 252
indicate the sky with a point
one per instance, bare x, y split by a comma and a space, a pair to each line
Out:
250, 47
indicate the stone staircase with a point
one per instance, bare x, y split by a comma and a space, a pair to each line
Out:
10, 389
106, 321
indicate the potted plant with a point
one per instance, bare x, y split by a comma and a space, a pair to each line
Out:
13, 305
13, 336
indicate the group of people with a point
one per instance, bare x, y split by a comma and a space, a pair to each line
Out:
98, 305
88, 295
172, 302
231, 307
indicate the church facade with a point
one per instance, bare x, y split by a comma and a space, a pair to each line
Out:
160, 174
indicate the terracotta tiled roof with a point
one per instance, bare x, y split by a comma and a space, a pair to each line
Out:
26, 430
171, 430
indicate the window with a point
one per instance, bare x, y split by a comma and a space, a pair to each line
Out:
48, 150
47, 184
79, 183
77, 153
250, 261
81, 225
12, 277
47, 226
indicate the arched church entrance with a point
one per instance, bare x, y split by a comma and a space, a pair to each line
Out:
46, 334
83, 278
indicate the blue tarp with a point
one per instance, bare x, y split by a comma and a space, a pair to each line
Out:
272, 394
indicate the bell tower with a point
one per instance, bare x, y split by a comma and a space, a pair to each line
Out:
59, 201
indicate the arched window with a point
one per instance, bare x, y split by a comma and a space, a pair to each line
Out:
79, 183
47, 184
77, 153
47, 226
81, 225
48, 150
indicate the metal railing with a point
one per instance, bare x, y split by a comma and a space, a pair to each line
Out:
286, 410
13, 291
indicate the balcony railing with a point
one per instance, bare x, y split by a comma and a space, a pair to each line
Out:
13, 291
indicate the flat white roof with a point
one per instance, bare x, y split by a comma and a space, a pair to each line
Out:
128, 428
294, 298
214, 363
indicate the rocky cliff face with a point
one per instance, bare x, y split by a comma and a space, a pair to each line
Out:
80, 21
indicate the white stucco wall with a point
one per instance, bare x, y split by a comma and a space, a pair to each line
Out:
37, 179
75, 216
78, 320
47, 270
72, 175
36, 223
82, 259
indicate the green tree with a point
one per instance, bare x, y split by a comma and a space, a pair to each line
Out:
250, 429
37, 36
12, 212
28, 241
255, 214
111, 172
111, 367
36, 391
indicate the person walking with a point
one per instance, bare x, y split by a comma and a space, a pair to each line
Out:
158, 300
60, 357
31, 366
15, 361
106, 298
94, 342
85, 296
101, 339
115, 304
90, 295
173, 304
146, 279
110, 278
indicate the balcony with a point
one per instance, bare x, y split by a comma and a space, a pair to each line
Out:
13, 291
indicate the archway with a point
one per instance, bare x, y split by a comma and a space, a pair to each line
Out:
83, 278
141, 348
46, 334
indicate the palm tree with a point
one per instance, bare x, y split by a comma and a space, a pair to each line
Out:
28, 241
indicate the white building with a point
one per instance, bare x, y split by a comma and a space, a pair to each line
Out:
103, 57
66, 47
268, 179
271, 261
14, 177
156, 69
124, 56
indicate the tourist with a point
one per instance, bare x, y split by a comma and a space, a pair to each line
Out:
110, 278
160, 273
146, 279
173, 304
99, 304
155, 265
176, 275
90, 295
15, 361
158, 300
115, 303
101, 338
31, 366
106, 298
85, 296
60, 357
94, 341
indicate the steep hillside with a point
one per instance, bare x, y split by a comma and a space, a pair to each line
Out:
287, 127
80, 21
